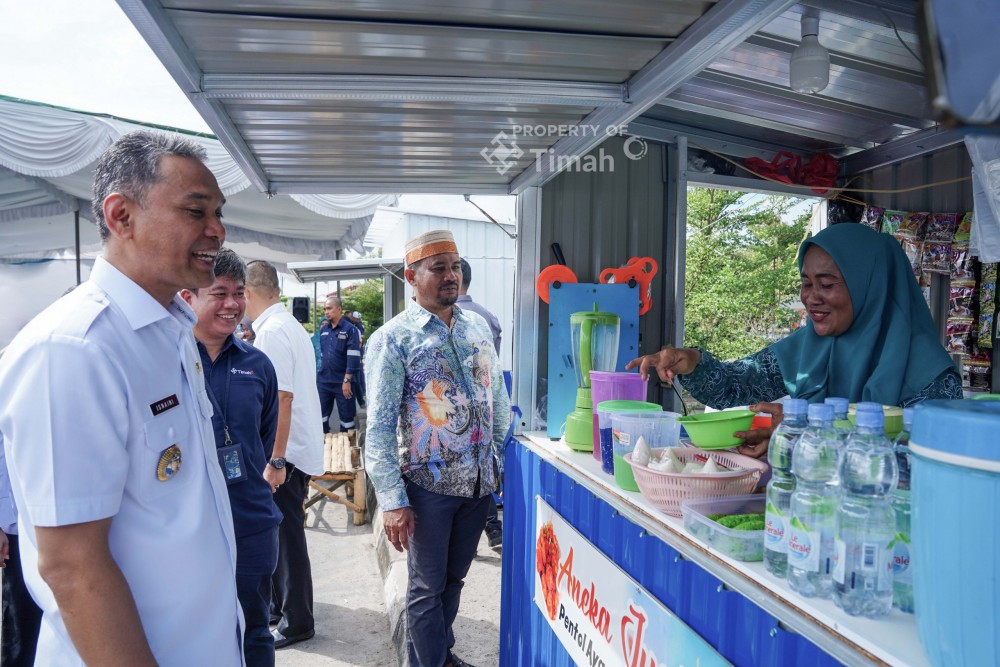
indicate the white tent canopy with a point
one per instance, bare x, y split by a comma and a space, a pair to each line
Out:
47, 156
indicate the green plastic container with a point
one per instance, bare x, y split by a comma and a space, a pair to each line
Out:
714, 430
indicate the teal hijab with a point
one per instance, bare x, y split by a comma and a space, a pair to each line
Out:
891, 350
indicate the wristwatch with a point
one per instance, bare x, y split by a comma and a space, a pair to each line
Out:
278, 462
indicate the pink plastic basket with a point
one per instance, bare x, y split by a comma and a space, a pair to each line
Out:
667, 490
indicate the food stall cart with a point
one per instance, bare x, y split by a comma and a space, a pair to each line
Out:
598, 116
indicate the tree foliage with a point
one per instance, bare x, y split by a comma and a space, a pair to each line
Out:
741, 269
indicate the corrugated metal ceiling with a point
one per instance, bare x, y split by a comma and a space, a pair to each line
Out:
380, 95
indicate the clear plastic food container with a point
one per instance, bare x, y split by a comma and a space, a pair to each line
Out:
745, 545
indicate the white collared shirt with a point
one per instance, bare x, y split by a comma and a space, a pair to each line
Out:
93, 391
283, 339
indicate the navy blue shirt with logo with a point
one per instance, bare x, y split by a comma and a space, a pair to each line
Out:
340, 347
244, 391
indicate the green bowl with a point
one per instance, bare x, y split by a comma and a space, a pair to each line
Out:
714, 430
893, 419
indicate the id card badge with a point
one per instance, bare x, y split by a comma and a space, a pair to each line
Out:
233, 465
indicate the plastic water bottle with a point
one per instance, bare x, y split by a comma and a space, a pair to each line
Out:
902, 575
814, 506
866, 523
841, 423
779, 489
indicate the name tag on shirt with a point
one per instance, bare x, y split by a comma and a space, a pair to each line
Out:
164, 404
342, 335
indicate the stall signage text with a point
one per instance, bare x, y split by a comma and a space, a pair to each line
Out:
601, 616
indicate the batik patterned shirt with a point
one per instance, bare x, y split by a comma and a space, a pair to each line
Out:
438, 409
757, 378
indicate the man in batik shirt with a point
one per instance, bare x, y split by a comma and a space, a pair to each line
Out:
434, 376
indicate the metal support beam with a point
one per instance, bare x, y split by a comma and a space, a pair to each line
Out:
722, 28
369, 187
910, 146
527, 263
409, 89
720, 142
152, 22
76, 242
675, 253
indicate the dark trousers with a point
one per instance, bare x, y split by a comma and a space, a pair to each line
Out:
347, 408
446, 533
21, 616
256, 556
292, 581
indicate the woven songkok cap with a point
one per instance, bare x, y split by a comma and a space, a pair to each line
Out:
430, 243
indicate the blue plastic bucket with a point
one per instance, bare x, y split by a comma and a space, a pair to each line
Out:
955, 494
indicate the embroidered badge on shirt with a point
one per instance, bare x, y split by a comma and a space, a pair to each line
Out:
170, 463
164, 404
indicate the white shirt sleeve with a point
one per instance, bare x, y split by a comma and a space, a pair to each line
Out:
277, 347
72, 452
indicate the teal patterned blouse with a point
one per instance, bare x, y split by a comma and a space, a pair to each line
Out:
757, 378
438, 408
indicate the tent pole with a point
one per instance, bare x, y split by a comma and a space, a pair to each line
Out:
76, 221
315, 314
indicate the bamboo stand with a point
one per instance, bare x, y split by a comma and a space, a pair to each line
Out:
345, 465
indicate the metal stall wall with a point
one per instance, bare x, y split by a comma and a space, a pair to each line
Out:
742, 632
601, 219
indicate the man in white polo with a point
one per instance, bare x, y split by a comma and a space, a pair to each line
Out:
126, 531
298, 448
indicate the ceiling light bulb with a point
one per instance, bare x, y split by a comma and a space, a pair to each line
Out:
809, 70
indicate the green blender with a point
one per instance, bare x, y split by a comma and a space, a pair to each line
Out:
595, 348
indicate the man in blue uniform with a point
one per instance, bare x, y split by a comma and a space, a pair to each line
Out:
340, 347
243, 388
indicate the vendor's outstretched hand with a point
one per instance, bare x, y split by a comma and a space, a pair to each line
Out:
756, 440
668, 362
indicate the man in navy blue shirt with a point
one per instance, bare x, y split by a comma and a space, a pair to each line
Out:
340, 348
243, 388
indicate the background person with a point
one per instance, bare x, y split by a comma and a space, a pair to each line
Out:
243, 389
869, 337
298, 448
437, 380
126, 531
340, 350
494, 527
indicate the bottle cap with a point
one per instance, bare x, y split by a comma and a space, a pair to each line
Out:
796, 407
821, 411
839, 404
868, 405
870, 418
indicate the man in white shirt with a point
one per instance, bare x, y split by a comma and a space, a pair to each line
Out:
126, 531
298, 448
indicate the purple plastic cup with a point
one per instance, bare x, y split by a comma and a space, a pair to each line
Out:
613, 386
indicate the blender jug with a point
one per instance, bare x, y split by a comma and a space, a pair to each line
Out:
595, 347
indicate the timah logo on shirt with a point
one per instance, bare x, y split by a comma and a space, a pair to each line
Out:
237, 371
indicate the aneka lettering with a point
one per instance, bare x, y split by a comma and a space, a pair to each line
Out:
585, 598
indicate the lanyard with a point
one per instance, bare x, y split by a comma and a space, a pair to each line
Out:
215, 403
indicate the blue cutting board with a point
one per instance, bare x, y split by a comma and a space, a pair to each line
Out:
570, 298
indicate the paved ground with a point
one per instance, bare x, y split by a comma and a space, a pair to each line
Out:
351, 623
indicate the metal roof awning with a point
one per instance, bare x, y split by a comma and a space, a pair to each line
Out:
344, 269
446, 96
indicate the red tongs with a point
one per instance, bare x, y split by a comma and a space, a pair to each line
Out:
639, 270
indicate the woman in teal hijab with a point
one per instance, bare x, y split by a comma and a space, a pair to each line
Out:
869, 336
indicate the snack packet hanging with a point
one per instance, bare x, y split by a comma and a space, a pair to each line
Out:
984, 332
960, 302
964, 230
962, 265
912, 225
941, 227
936, 257
872, 217
891, 221
914, 252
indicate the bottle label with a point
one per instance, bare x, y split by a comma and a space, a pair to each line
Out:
803, 546
839, 560
775, 537
901, 558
